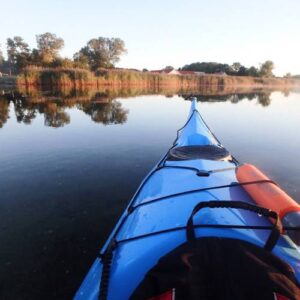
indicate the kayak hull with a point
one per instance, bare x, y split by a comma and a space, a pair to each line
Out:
154, 222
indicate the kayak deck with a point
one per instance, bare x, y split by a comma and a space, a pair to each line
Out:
154, 223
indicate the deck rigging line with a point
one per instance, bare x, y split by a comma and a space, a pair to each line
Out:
106, 255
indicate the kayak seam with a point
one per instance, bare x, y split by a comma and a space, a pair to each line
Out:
186, 123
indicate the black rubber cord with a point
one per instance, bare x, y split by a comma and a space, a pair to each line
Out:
106, 257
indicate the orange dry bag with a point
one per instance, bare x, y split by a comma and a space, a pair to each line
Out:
269, 195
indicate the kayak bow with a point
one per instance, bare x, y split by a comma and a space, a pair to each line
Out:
194, 192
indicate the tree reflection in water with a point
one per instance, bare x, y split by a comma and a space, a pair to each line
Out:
105, 113
4, 111
55, 116
24, 113
263, 98
101, 106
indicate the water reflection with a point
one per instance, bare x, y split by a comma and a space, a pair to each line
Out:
24, 112
54, 110
4, 111
103, 107
55, 116
263, 98
62, 191
105, 113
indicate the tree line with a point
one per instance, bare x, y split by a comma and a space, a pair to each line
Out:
236, 69
99, 52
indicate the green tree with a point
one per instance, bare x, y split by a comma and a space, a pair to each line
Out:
102, 52
48, 46
169, 68
236, 66
18, 53
35, 57
80, 60
266, 69
243, 71
62, 62
207, 67
252, 71
288, 75
1, 56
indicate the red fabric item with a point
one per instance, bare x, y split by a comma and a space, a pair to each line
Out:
168, 296
280, 297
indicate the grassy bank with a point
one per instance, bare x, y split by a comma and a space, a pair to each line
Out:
75, 78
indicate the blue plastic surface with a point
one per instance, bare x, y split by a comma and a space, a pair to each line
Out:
132, 259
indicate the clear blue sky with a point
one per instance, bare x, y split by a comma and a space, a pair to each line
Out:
167, 32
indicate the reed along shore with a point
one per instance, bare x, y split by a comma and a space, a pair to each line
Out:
76, 78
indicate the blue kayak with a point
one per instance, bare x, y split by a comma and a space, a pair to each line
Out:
193, 193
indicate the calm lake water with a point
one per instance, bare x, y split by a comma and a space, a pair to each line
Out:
69, 167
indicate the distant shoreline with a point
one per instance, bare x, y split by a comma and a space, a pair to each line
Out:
78, 79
